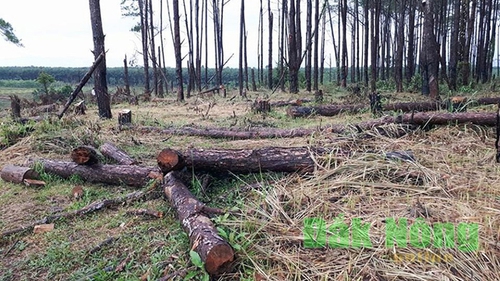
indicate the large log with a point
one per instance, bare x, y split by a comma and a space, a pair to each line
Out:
16, 174
323, 110
215, 252
235, 134
115, 153
131, 175
269, 159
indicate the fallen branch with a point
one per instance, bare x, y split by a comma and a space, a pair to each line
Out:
215, 252
113, 152
131, 175
91, 208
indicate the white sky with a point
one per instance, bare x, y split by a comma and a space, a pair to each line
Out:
58, 33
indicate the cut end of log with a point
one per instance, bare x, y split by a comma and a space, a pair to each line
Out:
219, 259
84, 155
168, 160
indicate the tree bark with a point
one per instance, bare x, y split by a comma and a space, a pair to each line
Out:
18, 174
135, 176
270, 159
100, 82
216, 254
177, 48
430, 54
270, 49
121, 157
143, 13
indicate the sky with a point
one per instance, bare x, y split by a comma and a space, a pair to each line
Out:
58, 33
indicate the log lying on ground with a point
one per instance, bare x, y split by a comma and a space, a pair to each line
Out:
297, 102
323, 110
131, 175
91, 208
115, 153
269, 159
331, 110
17, 174
215, 252
235, 134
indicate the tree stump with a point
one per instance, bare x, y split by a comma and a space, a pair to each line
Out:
80, 108
318, 96
15, 104
125, 117
375, 103
16, 174
261, 106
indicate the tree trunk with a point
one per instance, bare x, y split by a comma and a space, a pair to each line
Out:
410, 65
270, 49
215, 253
430, 54
143, 13
367, 38
125, 76
345, 62
242, 34
309, 38
18, 174
224, 133
316, 46
131, 175
454, 47
400, 35
294, 47
178, 56
119, 156
153, 48
269, 159
100, 82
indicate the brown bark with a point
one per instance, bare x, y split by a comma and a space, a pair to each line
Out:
178, 55
85, 155
238, 134
17, 174
121, 157
100, 81
274, 159
131, 175
215, 252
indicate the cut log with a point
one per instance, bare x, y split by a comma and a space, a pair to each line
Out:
17, 174
297, 102
323, 110
113, 152
486, 101
131, 175
235, 134
270, 159
413, 106
125, 117
215, 252
85, 155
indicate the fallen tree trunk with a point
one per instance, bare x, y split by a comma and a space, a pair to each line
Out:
113, 152
413, 106
16, 174
223, 133
131, 175
323, 110
486, 101
270, 159
215, 252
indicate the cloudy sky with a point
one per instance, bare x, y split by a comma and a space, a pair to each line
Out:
58, 33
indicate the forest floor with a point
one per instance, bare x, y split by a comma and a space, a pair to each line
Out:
454, 179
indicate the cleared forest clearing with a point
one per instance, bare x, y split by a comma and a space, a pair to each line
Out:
453, 178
